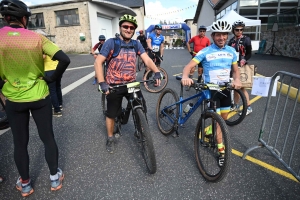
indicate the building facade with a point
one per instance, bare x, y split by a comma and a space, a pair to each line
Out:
76, 25
209, 11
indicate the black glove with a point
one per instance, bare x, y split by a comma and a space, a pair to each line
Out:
48, 79
103, 87
158, 75
191, 53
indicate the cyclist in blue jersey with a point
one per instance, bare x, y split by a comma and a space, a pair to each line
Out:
155, 44
217, 60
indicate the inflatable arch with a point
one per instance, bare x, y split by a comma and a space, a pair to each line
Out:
172, 26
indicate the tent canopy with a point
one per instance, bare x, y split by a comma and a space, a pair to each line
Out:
232, 16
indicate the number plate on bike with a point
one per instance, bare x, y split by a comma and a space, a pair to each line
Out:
213, 87
133, 87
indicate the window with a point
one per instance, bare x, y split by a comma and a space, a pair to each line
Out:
222, 13
248, 3
248, 12
267, 11
228, 9
289, 3
67, 17
234, 6
36, 21
2, 23
269, 3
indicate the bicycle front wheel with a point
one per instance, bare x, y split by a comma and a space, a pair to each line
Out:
152, 87
166, 116
145, 140
238, 108
206, 147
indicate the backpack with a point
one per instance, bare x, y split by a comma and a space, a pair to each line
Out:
117, 48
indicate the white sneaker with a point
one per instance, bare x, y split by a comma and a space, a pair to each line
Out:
249, 110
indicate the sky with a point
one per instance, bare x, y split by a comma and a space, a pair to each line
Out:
156, 10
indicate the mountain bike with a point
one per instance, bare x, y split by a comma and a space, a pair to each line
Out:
150, 86
170, 115
142, 130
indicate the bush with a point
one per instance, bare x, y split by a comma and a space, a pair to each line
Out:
178, 43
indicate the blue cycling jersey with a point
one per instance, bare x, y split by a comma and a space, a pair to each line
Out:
216, 63
156, 41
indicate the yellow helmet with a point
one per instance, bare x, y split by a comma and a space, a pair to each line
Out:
128, 18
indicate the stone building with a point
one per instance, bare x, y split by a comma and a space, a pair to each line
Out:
76, 25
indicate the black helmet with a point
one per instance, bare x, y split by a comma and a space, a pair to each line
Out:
202, 27
102, 37
238, 23
158, 27
14, 8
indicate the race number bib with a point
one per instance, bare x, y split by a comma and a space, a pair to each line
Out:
219, 76
155, 48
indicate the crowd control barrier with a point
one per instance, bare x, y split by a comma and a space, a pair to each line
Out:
280, 129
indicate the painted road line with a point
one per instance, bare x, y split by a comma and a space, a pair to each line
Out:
266, 165
74, 68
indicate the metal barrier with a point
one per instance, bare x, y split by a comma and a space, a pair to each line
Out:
280, 129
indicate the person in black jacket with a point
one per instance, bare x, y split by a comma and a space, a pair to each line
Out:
243, 47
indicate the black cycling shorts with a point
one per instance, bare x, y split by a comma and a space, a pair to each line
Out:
223, 101
114, 102
151, 55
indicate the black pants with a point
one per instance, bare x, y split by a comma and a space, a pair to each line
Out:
55, 92
18, 117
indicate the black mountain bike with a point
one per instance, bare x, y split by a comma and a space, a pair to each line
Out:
142, 130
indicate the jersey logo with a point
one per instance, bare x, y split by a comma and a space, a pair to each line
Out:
13, 34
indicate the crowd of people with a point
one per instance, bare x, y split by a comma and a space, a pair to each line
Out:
31, 81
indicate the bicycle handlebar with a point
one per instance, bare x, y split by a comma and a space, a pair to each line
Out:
205, 86
112, 89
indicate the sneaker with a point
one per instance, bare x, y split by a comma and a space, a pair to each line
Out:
57, 184
26, 190
95, 81
249, 110
61, 107
57, 114
110, 145
208, 134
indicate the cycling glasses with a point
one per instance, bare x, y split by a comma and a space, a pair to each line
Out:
237, 29
126, 27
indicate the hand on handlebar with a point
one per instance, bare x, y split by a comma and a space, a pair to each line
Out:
186, 81
103, 88
236, 84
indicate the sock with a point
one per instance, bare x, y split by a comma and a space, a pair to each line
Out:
54, 177
221, 148
25, 182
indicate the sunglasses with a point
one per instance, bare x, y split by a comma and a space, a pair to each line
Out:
126, 27
238, 29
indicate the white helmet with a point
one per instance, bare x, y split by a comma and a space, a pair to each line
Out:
221, 26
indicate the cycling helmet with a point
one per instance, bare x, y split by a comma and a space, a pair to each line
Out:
14, 8
128, 18
221, 26
238, 23
158, 27
202, 27
102, 37
141, 31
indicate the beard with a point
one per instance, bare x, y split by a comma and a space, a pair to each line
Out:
124, 37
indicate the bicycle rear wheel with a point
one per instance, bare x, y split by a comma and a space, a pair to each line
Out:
151, 87
167, 117
206, 148
140, 64
145, 140
238, 108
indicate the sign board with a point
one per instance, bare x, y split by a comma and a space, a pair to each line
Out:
172, 26
261, 86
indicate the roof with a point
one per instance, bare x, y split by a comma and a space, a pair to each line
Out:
129, 3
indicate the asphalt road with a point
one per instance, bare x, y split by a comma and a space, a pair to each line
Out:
92, 173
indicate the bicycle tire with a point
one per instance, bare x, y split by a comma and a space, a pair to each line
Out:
140, 63
145, 140
150, 87
166, 98
206, 152
103, 105
237, 113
